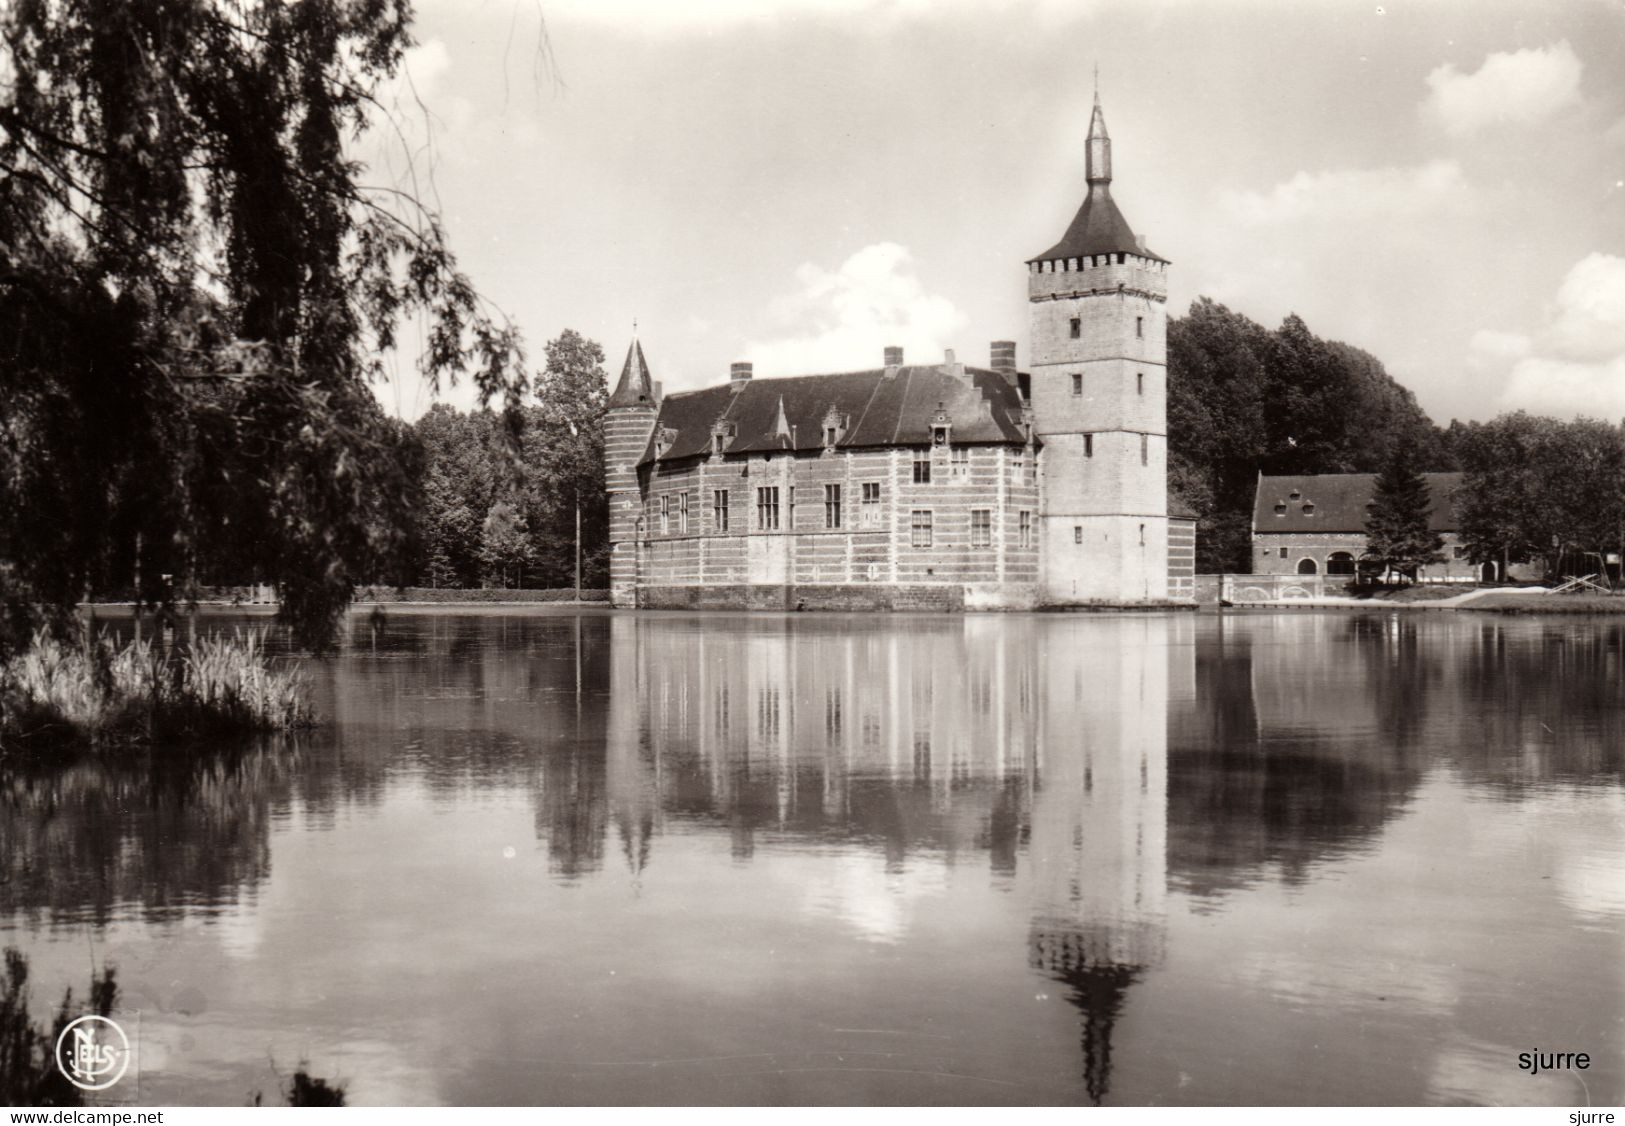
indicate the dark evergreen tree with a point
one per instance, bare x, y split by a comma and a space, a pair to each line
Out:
1398, 537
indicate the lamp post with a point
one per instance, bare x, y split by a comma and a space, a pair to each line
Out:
575, 434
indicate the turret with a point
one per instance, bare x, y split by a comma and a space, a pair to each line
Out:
1097, 302
629, 422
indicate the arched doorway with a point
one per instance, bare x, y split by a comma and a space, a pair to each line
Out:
1340, 563
1308, 567
1487, 573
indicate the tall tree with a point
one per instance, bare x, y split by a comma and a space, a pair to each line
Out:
1398, 536
197, 282
564, 462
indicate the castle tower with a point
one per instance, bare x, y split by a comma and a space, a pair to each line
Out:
1098, 304
628, 422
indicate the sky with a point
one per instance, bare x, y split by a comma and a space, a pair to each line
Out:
800, 183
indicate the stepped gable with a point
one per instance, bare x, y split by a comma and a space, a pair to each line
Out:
1338, 502
880, 411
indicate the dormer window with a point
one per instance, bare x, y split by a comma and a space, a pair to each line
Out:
664, 440
1309, 510
835, 427
1280, 510
722, 434
941, 426
1294, 495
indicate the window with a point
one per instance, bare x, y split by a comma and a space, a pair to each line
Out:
682, 512
1018, 462
719, 507
1139, 383
1088, 445
1142, 535
1077, 327
1077, 383
1308, 509
1024, 524
1145, 450
871, 504
981, 527
922, 467
920, 527
1283, 553
1340, 563
1077, 533
1460, 552
767, 508
665, 514
832, 506
1280, 510
1139, 327
1308, 567
960, 462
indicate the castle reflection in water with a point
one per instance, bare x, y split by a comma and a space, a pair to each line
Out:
957, 741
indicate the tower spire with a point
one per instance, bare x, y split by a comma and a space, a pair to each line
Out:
1099, 146
635, 386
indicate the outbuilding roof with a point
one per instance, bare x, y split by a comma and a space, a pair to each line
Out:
1339, 502
879, 407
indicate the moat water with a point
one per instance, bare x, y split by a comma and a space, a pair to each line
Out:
672, 858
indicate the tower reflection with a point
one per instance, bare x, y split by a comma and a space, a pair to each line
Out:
1036, 747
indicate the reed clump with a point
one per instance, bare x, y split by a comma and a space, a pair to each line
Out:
91, 688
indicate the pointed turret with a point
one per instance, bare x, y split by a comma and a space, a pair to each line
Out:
1098, 227
629, 422
635, 385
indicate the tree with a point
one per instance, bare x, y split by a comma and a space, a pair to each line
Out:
504, 542
1398, 535
197, 284
564, 462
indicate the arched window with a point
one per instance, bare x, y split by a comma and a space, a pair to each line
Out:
1308, 567
1339, 563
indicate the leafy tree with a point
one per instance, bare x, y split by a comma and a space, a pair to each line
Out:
196, 285
1397, 532
466, 463
1536, 487
504, 542
564, 462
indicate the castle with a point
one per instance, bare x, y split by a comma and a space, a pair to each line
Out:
923, 486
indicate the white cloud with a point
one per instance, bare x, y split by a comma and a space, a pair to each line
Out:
841, 320
1491, 349
1576, 364
1512, 87
1357, 193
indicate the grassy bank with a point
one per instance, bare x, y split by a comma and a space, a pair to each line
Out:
1549, 603
91, 689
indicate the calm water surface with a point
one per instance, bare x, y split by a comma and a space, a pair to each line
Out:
657, 858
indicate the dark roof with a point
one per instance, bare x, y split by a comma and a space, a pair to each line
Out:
1340, 502
788, 413
1097, 228
635, 386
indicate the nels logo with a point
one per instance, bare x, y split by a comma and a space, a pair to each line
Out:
93, 1053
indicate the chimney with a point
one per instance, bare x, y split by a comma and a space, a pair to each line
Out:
739, 374
1004, 358
894, 356
952, 366
948, 359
